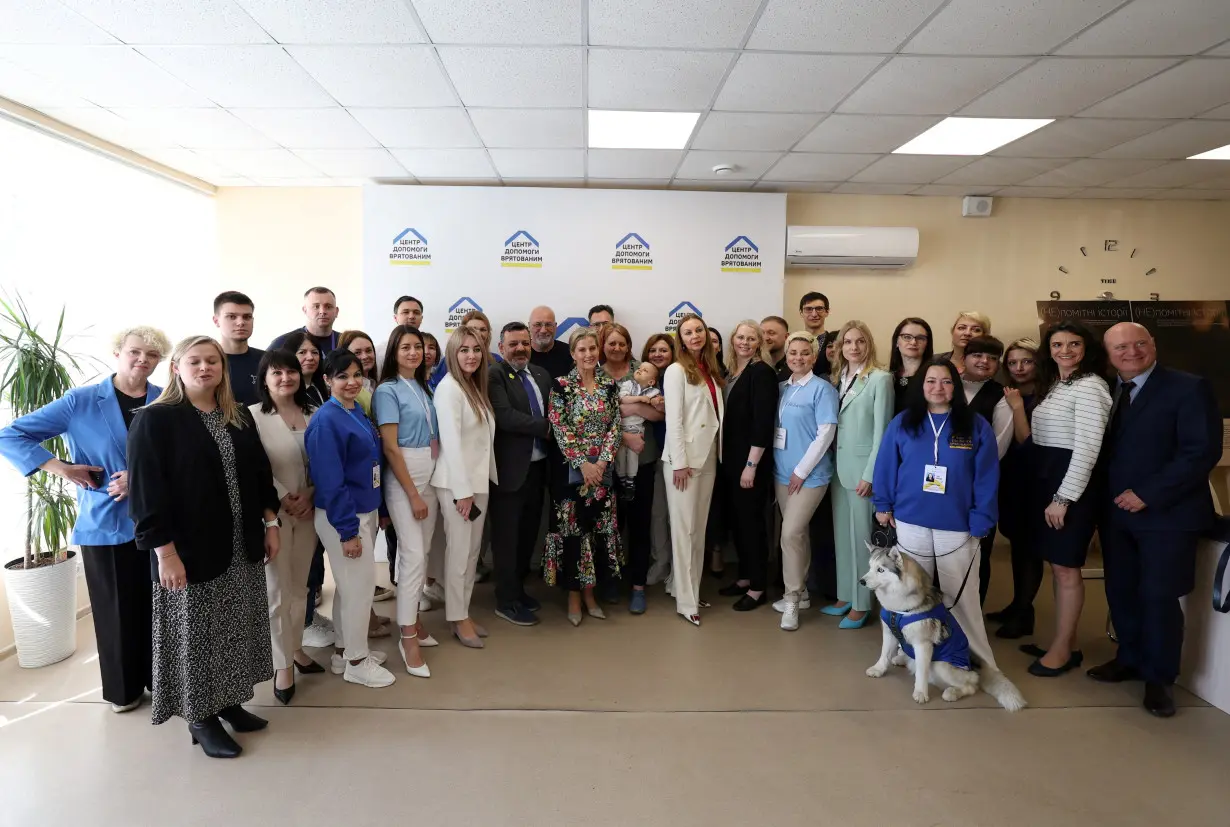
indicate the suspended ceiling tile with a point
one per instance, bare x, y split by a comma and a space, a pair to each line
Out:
211, 128
418, 128
633, 163
792, 83
1177, 141
1156, 27
1059, 86
819, 166
200, 22
698, 164
1036, 192
104, 75
309, 128
353, 163
533, 77
377, 76
241, 75
929, 85
873, 189
642, 79
751, 130
1005, 27
530, 128
1090, 172
681, 24
507, 22
953, 190
839, 25
450, 164
1001, 171
47, 22
911, 169
335, 21
865, 133
1077, 137
262, 163
1174, 174
1181, 92
539, 163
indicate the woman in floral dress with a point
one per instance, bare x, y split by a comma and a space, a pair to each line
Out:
584, 414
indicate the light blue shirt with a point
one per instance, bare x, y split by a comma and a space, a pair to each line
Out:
802, 409
1140, 382
404, 404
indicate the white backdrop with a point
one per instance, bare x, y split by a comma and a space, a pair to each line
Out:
504, 250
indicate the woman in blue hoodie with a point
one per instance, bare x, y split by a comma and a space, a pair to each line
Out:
344, 458
936, 480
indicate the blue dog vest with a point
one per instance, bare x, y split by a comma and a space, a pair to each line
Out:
953, 647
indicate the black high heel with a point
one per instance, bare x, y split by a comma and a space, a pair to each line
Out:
312, 668
241, 720
214, 740
284, 695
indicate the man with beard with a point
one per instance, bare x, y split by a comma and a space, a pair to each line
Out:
547, 353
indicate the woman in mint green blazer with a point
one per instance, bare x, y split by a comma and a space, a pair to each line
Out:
865, 392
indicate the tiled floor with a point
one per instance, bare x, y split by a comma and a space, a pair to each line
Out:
635, 720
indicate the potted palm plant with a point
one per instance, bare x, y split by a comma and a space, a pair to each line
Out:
41, 584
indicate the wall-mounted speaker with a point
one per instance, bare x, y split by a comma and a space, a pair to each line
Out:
976, 206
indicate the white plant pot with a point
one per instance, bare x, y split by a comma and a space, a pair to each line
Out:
43, 605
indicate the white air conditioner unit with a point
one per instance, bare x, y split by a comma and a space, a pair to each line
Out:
875, 248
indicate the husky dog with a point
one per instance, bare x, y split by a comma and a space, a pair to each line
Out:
913, 617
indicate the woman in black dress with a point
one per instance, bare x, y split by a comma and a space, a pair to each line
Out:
912, 348
205, 507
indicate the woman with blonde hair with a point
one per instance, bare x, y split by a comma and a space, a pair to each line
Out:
695, 410
465, 469
865, 407
585, 419
746, 475
95, 420
970, 324
205, 507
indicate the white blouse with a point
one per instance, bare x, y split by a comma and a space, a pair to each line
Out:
1074, 416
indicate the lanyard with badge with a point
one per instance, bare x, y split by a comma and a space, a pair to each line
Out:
418, 394
779, 433
374, 437
935, 477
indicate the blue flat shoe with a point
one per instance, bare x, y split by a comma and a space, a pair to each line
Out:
847, 623
835, 611
637, 604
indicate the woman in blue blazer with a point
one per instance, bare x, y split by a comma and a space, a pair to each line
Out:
95, 419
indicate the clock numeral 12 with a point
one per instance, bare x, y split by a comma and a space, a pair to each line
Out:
1110, 245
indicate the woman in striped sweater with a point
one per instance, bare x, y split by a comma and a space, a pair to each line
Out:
1068, 423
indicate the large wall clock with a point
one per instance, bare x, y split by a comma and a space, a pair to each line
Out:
1127, 261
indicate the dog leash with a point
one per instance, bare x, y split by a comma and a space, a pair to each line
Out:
935, 577
1221, 604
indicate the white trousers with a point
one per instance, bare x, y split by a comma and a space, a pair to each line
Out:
796, 512
286, 585
954, 553
464, 542
689, 514
659, 535
355, 578
413, 536
435, 550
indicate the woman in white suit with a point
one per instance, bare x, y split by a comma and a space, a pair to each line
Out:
464, 472
282, 417
695, 409
865, 407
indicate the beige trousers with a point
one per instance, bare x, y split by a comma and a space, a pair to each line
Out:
796, 543
286, 584
689, 513
464, 542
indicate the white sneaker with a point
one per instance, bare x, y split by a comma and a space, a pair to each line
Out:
434, 592
804, 603
790, 617
425, 604
338, 664
368, 672
320, 633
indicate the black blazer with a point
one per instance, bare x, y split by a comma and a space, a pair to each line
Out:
177, 489
751, 414
1165, 446
516, 427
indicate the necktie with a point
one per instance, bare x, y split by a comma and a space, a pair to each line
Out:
1123, 400
535, 408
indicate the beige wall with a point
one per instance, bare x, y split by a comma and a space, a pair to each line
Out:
275, 243
1003, 264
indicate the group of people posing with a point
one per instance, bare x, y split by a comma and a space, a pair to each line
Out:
229, 488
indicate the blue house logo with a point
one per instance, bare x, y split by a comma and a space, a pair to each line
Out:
410, 231
521, 250
457, 310
630, 237
410, 248
745, 240
741, 256
678, 312
564, 328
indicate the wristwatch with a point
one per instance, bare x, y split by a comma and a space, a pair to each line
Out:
1058, 500
751, 464
276, 522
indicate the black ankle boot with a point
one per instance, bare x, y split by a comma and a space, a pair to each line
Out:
241, 719
1017, 626
214, 740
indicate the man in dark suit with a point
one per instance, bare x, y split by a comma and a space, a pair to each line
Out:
1162, 441
519, 392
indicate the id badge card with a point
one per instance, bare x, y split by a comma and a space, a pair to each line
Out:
375, 476
935, 479
779, 439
